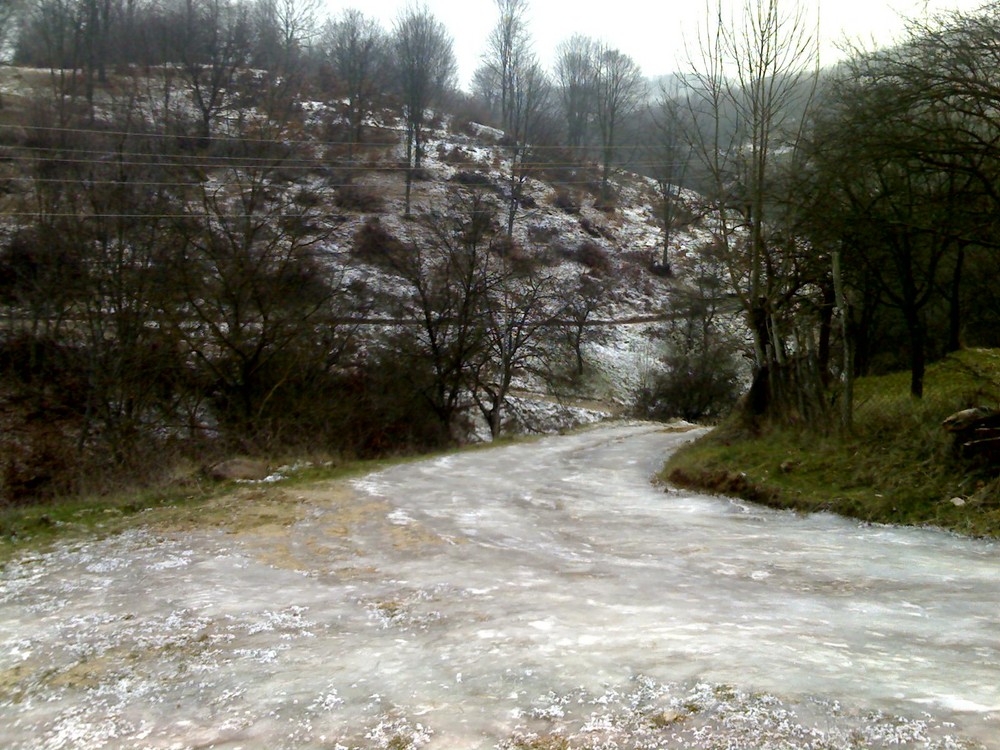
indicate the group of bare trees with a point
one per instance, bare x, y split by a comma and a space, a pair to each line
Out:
161, 275
744, 112
161, 282
903, 152
198, 49
481, 322
594, 92
145, 305
853, 208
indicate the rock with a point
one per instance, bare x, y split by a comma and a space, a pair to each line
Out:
239, 468
664, 719
958, 502
963, 420
976, 433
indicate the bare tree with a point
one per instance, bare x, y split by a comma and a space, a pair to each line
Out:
214, 44
507, 48
52, 36
256, 309
425, 69
517, 318
576, 75
97, 16
746, 96
88, 271
281, 32
450, 275
10, 11
528, 108
510, 66
129, 364
485, 87
480, 323
61, 34
581, 300
355, 47
671, 157
620, 89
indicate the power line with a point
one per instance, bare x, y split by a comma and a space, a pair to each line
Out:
271, 163
303, 142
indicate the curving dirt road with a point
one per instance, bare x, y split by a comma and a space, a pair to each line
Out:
541, 595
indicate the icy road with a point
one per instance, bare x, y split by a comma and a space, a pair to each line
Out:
539, 596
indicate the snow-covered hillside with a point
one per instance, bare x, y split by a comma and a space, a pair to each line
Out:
559, 227
625, 349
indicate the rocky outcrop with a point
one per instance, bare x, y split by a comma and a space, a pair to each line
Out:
238, 469
976, 433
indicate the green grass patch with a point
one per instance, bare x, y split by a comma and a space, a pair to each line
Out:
37, 526
898, 466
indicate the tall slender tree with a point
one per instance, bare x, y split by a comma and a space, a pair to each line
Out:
620, 89
576, 76
528, 110
671, 158
425, 69
507, 48
214, 44
355, 47
746, 96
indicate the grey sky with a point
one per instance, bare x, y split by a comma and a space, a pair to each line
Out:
653, 33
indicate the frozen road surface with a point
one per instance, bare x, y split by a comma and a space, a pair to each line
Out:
538, 596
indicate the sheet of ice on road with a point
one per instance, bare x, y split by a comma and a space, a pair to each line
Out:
542, 595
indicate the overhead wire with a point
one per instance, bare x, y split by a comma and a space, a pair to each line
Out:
279, 141
113, 158
104, 159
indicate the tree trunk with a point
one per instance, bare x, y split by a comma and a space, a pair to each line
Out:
826, 333
955, 304
918, 357
409, 169
495, 419
847, 396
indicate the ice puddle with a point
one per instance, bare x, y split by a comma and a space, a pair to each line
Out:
539, 596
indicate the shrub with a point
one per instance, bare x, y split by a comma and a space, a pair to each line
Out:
663, 270
679, 213
307, 198
520, 261
373, 243
455, 155
594, 230
39, 465
467, 114
400, 168
383, 410
474, 179
699, 383
570, 203
606, 201
594, 187
542, 234
358, 198
594, 257
562, 251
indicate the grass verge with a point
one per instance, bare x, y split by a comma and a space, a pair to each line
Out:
898, 466
193, 500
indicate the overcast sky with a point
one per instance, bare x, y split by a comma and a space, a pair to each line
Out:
653, 32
